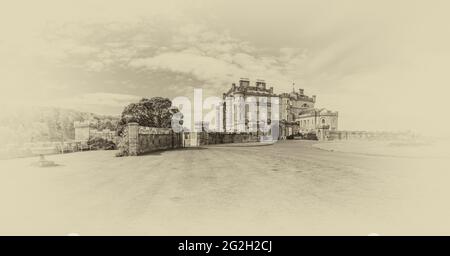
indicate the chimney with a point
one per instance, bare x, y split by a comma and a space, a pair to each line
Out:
260, 84
244, 82
301, 91
233, 85
314, 98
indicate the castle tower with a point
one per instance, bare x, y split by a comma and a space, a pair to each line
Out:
82, 130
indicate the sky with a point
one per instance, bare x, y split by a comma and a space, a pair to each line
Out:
382, 64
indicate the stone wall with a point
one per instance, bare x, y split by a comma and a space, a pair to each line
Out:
223, 138
140, 140
363, 135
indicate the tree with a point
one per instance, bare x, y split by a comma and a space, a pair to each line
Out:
154, 112
106, 123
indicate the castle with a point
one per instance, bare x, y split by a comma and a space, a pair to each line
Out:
295, 111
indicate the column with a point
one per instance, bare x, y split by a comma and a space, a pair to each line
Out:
133, 139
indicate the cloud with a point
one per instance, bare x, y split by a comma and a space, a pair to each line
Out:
110, 103
205, 68
358, 58
215, 58
102, 98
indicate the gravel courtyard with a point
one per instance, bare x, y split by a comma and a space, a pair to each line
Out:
289, 188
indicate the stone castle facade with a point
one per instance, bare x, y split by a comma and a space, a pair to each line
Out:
237, 112
295, 111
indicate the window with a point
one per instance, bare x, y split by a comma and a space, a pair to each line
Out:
323, 121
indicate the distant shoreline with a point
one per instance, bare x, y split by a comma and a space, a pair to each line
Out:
388, 148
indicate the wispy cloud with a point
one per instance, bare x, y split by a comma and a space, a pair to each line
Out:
110, 103
350, 53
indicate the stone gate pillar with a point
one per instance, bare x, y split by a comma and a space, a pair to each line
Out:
133, 139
